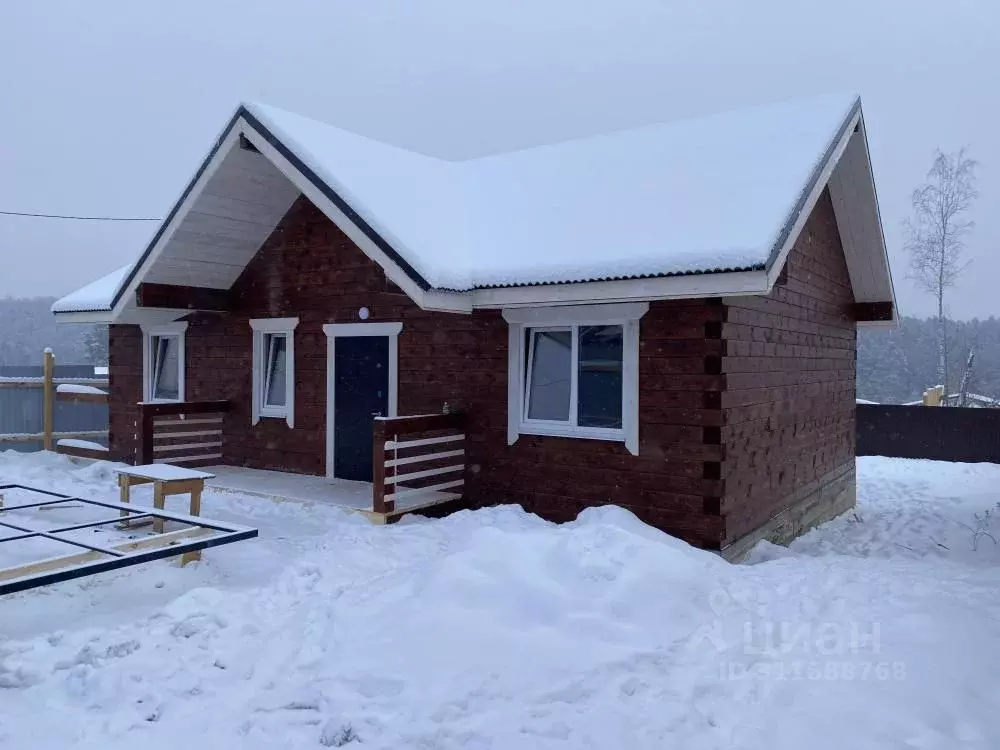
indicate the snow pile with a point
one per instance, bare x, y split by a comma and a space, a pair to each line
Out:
86, 445
78, 388
496, 629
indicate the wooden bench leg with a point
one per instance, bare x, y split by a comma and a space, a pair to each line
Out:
195, 511
124, 495
159, 498
196, 500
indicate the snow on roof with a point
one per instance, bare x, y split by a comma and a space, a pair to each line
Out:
688, 196
704, 194
97, 295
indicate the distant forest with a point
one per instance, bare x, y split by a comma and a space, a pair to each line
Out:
27, 327
898, 365
894, 366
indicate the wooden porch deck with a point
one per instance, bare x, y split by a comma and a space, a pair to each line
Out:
282, 486
417, 461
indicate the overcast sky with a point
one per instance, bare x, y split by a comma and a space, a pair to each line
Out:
109, 106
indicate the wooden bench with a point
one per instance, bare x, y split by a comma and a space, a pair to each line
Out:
166, 479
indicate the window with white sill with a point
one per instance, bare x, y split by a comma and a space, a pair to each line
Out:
274, 369
163, 362
573, 372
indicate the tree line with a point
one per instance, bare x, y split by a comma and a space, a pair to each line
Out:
897, 365
27, 327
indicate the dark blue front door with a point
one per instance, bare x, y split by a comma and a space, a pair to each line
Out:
361, 391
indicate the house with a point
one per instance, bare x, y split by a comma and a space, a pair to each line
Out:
662, 317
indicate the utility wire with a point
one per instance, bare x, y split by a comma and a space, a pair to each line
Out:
77, 218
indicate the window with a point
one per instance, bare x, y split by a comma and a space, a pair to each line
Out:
163, 362
274, 369
573, 372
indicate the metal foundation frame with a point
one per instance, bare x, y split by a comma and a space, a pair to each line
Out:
199, 534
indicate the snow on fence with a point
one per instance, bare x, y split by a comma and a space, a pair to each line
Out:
54, 411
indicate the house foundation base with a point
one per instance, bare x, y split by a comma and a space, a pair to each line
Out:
835, 496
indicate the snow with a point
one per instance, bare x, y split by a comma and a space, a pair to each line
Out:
76, 388
82, 444
345, 493
689, 195
700, 194
276, 485
163, 472
97, 295
865, 401
494, 629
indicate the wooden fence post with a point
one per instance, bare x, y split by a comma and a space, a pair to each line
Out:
146, 417
379, 504
48, 398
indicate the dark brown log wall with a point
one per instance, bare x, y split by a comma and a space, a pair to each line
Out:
778, 426
790, 376
309, 269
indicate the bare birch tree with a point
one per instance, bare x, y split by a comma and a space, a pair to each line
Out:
936, 234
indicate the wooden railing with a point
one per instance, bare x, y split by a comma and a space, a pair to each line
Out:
417, 461
188, 433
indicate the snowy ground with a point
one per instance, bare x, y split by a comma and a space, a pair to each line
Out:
494, 629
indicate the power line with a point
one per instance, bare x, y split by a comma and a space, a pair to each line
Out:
77, 218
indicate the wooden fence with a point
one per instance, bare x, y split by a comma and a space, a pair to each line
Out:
935, 432
417, 462
55, 391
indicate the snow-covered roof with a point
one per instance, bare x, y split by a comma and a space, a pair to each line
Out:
97, 295
705, 194
696, 196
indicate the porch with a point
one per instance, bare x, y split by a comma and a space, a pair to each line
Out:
417, 461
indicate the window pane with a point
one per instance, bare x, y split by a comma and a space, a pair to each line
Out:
551, 372
600, 377
166, 368
274, 394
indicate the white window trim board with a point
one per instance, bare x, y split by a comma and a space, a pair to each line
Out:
176, 330
626, 315
261, 327
336, 330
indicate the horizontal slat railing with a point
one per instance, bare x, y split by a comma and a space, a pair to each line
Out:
418, 461
187, 433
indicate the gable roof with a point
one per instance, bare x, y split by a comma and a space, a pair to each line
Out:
723, 196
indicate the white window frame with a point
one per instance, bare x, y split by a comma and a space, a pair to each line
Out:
149, 334
262, 328
572, 317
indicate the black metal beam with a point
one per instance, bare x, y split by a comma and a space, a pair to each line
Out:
871, 311
54, 538
129, 559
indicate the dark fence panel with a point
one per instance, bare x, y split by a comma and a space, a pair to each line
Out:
940, 433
